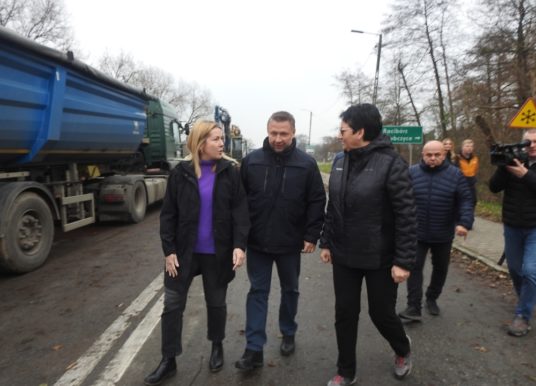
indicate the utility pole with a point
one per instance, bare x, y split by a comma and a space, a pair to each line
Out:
310, 124
377, 75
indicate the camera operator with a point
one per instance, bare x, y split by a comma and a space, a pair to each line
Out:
518, 181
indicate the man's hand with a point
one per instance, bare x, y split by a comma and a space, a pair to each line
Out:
398, 274
325, 255
172, 263
238, 258
518, 170
308, 247
461, 231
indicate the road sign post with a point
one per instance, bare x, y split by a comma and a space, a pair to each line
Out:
405, 135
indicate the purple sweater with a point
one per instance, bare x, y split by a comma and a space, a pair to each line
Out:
205, 235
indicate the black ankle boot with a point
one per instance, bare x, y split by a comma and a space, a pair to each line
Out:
216, 357
287, 345
167, 368
250, 360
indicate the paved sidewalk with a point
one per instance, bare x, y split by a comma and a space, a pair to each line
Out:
484, 242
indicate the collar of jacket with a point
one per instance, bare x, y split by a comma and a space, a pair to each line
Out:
281, 155
381, 141
428, 169
468, 158
188, 166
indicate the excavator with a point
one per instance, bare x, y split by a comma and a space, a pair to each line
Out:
234, 144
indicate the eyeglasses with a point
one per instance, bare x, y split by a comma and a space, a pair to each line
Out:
342, 131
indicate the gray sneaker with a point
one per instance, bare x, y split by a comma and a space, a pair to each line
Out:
339, 380
403, 365
519, 326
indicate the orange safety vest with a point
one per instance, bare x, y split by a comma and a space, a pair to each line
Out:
469, 167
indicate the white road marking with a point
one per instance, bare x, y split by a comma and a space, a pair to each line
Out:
87, 362
119, 364
117, 367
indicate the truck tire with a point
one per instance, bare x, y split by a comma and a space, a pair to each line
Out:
137, 202
28, 239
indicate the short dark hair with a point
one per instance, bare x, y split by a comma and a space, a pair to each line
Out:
364, 116
283, 116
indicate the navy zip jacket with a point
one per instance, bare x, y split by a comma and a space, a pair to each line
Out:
286, 199
443, 200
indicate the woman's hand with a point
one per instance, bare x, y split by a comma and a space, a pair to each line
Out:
239, 257
325, 255
172, 263
399, 274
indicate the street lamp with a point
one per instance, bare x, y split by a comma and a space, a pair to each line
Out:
375, 91
310, 124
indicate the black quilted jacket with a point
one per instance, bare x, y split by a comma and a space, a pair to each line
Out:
370, 220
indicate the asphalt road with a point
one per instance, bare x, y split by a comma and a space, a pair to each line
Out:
52, 319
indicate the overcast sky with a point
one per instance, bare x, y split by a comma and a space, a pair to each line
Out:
256, 57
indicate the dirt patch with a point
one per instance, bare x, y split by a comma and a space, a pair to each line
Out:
488, 276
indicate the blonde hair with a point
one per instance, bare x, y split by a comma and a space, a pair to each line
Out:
452, 151
448, 139
196, 139
468, 141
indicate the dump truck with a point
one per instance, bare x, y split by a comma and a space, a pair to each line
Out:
76, 147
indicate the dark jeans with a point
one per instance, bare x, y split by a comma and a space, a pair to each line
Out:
175, 302
381, 293
260, 276
440, 266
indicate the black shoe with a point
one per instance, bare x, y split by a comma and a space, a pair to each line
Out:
287, 345
432, 307
250, 360
411, 313
167, 368
215, 363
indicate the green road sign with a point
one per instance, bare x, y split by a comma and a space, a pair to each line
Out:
404, 134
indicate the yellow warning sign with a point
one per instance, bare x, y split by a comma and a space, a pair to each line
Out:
525, 117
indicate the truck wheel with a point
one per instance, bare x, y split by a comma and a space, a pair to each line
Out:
137, 202
29, 237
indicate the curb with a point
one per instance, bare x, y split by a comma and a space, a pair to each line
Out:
482, 259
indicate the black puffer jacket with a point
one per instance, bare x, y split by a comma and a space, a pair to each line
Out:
370, 220
179, 218
286, 199
443, 201
519, 199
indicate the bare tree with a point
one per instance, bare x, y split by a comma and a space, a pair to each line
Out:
406, 87
191, 101
355, 87
156, 82
44, 21
121, 67
195, 102
425, 24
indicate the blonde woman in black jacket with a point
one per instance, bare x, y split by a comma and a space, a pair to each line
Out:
204, 226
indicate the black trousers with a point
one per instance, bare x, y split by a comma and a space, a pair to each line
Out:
440, 267
381, 292
175, 303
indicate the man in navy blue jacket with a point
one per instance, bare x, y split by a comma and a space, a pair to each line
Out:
286, 200
444, 208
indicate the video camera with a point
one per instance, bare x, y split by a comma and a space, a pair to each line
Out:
502, 155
